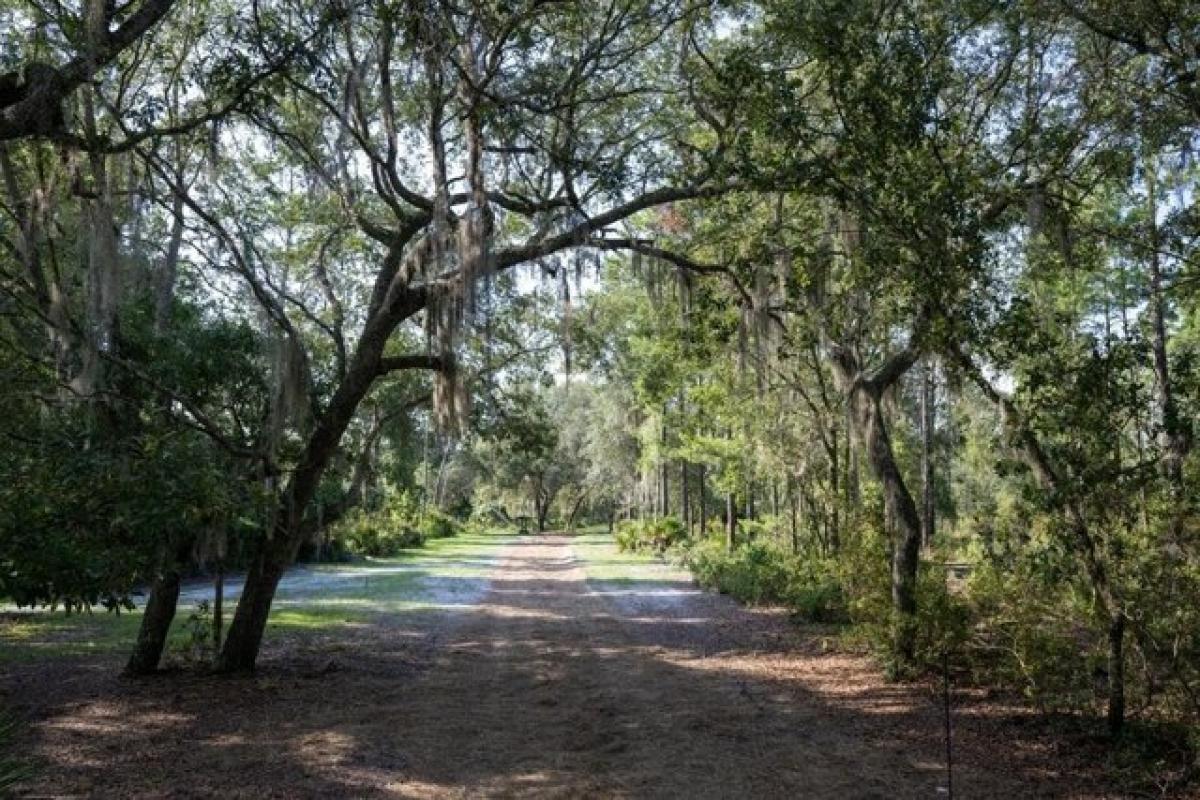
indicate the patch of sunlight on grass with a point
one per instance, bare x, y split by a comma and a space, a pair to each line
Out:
603, 563
29, 635
318, 617
37, 635
40, 634
600, 549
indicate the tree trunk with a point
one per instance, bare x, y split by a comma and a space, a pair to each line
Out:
278, 550
730, 521
164, 289
927, 421
703, 503
575, 511
1116, 674
794, 523
159, 612
155, 625
240, 651
835, 529
685, 506
852, 488
902, 510
1176, 438
665, 473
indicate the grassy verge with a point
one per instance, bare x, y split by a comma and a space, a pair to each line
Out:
602, 561
340, 595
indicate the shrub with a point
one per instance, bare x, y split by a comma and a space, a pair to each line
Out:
437, 525
656, 535
815, 590
761, 572
1029, 635
195, 648
476, 526
819, 602
754, 574
626, 534
383, 532
862, 570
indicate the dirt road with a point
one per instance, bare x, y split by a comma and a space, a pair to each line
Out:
549, 685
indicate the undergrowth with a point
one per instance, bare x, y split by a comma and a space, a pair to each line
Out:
1009, 626
397, 524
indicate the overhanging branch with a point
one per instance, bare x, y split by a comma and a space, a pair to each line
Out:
412, 361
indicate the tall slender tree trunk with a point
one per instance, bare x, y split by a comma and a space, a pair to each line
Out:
835, 529
685, 506
665, 471
164, 289
730, 521
1175, 435
852, 492
927, 423
541, 509
703, 498
1116, 674
103, 265
793, 504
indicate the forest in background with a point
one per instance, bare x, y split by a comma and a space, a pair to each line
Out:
882, 311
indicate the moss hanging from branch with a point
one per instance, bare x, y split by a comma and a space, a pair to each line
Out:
450, 399
564, 296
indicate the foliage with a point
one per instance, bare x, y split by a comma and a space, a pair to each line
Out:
398, 523
762, 573
382, 532
196, 645
437, 525
654, 535
81, 526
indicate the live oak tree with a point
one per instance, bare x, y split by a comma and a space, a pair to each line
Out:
524, 121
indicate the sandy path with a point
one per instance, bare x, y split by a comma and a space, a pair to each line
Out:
561, 687
555, 690
548, 686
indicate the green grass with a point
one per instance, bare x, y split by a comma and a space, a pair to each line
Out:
602, 561
34, 635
